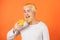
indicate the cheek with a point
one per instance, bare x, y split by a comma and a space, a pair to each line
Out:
24, 16
31, 15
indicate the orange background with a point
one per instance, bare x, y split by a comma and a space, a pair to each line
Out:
47, 10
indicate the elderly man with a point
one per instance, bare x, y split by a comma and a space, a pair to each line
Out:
32, 29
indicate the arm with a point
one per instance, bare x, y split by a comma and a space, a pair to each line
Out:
45, 32
15, 31
12, 33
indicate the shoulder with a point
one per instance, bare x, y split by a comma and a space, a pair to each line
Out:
43, 25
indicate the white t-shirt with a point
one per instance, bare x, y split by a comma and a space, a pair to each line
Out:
32, 32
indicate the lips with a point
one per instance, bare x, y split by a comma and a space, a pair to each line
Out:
27, 16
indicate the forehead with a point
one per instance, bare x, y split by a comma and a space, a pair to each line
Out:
27, 8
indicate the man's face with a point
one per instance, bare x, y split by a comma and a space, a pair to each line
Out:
28, 14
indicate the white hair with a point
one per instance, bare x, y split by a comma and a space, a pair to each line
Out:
32, 6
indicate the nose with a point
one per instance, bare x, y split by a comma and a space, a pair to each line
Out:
27, 16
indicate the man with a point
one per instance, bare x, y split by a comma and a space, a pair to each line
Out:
34, 30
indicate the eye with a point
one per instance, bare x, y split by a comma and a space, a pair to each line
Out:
28, 10
24, 11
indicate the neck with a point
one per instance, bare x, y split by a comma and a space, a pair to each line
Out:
33, 22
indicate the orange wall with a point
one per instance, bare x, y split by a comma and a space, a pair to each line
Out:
47, 10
